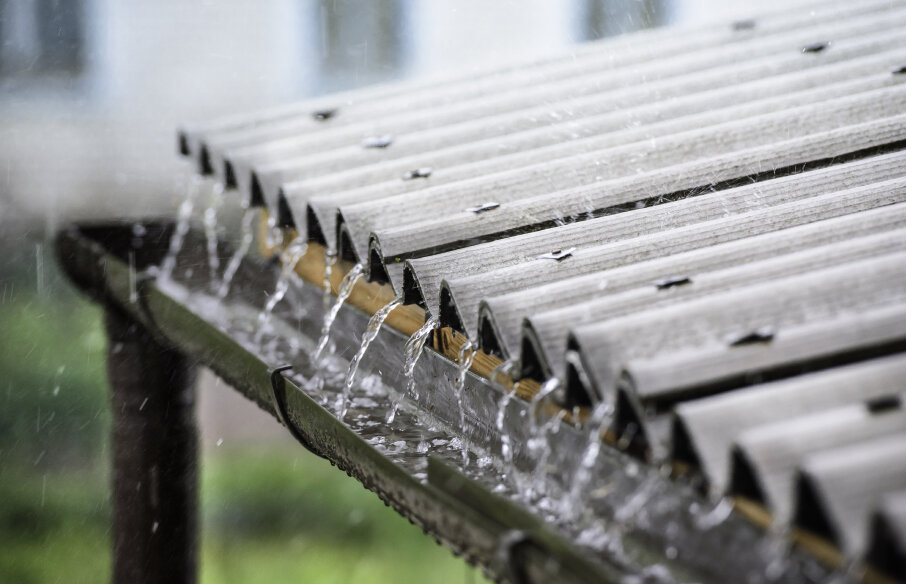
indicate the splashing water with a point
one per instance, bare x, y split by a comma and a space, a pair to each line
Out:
547, 388
597, 425
210, 231
537, 440
538, 483
346, 287
719, 513
506, 447
505, 368
289, 258
465, 363
274, 236
183, 219
244, 244
412, 351
371, 332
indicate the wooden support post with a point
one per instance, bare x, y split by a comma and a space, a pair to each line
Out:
155, 449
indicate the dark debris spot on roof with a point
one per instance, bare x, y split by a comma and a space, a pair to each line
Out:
883, 404
483, 207
763, 334
672, 281
815, 47
423, 172
377, 141
324, 114
557, 254
901, 70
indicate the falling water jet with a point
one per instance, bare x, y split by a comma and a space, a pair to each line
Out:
537, 437
210, 231
505, 368
345, 290
465, 363
597, 425
289, 257
245, 243
508, 392
546, 390
371, 332
412, 351
183, 219
537, 484
330, 258
133, 284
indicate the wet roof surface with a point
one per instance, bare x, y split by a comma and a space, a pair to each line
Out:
705, 228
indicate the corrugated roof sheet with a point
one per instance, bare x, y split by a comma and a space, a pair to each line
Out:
702, 228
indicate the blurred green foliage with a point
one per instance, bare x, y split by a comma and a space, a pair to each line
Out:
267, 517
53, 387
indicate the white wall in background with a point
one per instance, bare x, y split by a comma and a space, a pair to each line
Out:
106, 147
465, 34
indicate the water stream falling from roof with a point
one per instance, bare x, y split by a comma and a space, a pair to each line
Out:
412, 351
537, 443
506, 442
464, 364
597, 425
371, 331
538, 481
245, 243
288, 258
215, 201
330, 259
183, 221
346, 287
